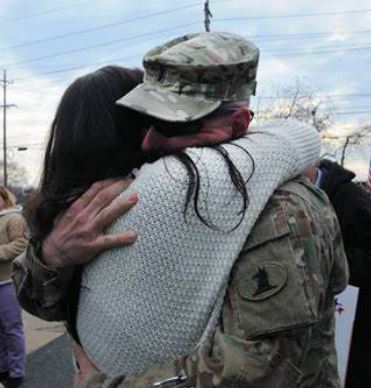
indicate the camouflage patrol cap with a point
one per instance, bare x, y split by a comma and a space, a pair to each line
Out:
189, 77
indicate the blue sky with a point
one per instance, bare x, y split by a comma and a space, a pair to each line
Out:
325, 45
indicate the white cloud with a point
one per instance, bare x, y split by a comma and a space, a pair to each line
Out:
28, 124
359, 167
274, 70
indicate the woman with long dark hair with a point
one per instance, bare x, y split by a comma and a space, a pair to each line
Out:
90, 139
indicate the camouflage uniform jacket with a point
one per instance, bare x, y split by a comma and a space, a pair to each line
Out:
277, 324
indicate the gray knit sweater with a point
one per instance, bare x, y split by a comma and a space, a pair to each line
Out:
162, 296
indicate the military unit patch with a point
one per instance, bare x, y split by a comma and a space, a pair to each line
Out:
263, 281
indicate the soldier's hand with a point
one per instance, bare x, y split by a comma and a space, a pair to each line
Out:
78, 233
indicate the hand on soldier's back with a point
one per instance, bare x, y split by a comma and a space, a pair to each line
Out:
78, 233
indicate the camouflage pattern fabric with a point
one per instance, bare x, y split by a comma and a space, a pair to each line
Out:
189, 77
277, 323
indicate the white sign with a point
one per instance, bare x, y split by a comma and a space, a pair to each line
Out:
345, 311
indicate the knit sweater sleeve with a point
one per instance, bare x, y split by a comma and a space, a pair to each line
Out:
16, 234
302, 139
278, 150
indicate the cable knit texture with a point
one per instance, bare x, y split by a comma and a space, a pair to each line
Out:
162, 296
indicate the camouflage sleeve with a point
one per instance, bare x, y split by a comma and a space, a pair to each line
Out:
41, 289
225, 361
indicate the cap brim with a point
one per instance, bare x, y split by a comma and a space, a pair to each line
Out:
166, 105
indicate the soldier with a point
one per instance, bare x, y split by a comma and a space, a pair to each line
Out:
276, 324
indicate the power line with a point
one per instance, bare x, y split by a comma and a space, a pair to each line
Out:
72, 68
359, 107
288, 54
351, 95
314, 45
104, 26
135, 56
315, 52
103, 44
322, 37
343, 113
298, 15
321, 51
279, 53
59, 9
158, 13
170, 29
353, 112
305, 35
52, 10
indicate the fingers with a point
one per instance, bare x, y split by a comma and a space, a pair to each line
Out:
89, 194
115, 240
104, 197
116, 209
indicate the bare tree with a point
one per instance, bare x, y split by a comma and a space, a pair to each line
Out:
17, 175
300, 101
360, 135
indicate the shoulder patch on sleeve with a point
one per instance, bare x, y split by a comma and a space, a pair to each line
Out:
262, 281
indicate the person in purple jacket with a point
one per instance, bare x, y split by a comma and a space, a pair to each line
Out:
12, 244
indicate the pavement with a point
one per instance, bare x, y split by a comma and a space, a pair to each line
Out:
39, 333
48, 359
50, 366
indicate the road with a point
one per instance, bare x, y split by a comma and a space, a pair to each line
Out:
50, 366
48, 360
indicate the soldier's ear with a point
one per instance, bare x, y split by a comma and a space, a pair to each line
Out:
240, 121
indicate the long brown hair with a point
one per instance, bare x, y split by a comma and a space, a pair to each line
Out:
91, 139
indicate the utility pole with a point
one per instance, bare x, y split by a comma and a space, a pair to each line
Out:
208, 15
5, 106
